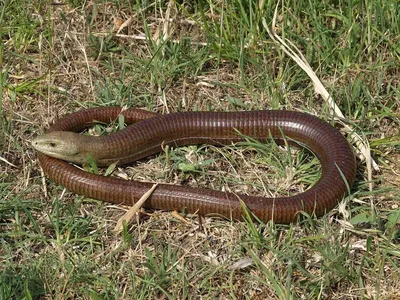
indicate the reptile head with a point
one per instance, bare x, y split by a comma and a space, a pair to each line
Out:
61, 144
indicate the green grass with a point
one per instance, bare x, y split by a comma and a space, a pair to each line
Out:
217, 55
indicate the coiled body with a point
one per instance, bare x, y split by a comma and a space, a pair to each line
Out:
153, 131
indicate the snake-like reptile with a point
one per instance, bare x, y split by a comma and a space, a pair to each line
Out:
149, 132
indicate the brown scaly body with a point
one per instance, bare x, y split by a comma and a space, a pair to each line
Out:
146, 137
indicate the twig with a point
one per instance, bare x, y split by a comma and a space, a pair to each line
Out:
134, 209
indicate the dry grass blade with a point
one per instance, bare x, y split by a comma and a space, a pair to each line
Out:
125, 24
7, 162
179, 217
294, 53
166, 26
142, 37
134, 209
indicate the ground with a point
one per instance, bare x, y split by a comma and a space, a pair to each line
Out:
59, 57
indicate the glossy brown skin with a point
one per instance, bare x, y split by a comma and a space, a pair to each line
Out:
146, 137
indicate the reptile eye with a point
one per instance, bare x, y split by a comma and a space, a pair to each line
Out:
52, 144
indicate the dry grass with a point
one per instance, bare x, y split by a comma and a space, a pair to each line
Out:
178, 57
